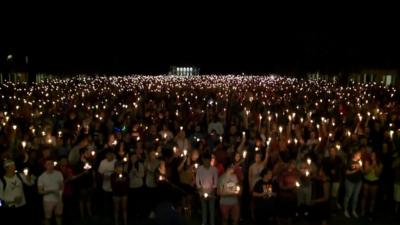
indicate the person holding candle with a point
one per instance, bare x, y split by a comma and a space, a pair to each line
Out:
84, 182
120, 188
206, 183
353, 183
12, 195
372, 172
187, 173
151, 168
50, 185
288, 182
320, 199
136, 185
229, 190
106, 168
264, 194
333, 166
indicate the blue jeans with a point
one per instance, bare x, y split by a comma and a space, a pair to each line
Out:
208, 205
352, 192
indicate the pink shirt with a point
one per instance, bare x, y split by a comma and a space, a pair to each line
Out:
207, 179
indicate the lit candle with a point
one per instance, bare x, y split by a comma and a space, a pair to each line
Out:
297, 184
244, 134
181, 128
319, 139
307, 173
87, 166
338, 147
360, 162
280, 129
244, 154
26, 171
220, 138
156, 154
348, 133
59, 133
114, 142
125, 159
237, 189
23, 143
160, 178
256, 149
14, 127
93, 153
205, 195
185, 152
196, 165
120, 176
295, 141
55, 163
391, 132
309, 161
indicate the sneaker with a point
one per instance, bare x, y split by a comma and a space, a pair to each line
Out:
355, 214
346, 214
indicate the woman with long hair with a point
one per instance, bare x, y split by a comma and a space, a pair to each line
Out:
372, 172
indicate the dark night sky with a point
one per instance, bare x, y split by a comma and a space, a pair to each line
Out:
95, 46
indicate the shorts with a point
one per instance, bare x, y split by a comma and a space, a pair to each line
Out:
335, 189
52, 207
396, 192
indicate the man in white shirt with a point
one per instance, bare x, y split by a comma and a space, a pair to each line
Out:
51, 185
106, 168
206, 182
12, 194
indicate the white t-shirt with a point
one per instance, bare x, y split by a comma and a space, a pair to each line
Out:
14, 189
106, 168
217, 126
207, 178
151, 169
136, 176
51, 182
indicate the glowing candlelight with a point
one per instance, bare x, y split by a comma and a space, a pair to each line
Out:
87, 166
55, 163
23, 143
49, 141
138, 138
307, 173
26, 171
297, 184
243, 133
295, 141
196, 165
280, 129
93, 153
165, 135
120, 175
338, 147
59, 133
319, 139
257, 149
125, 159
391, 132
348, 133
205, 195
309, 161
244, 154
360, 162
14, 127
220, 139
160, 178
237, 189
156, 154
185, 152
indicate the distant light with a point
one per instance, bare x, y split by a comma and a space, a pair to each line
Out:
9, 57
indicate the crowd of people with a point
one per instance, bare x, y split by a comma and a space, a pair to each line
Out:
263, 148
